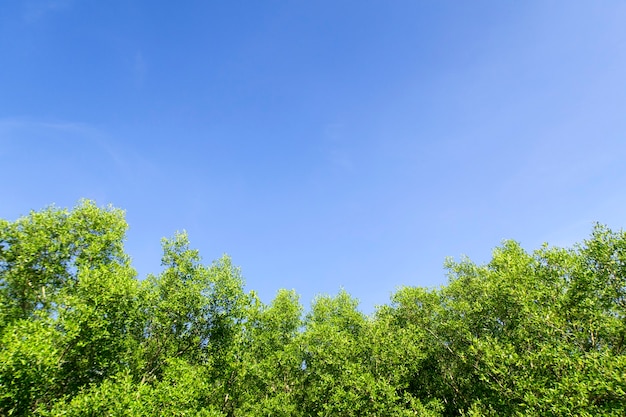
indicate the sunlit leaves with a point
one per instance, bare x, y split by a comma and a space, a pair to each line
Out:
528, 333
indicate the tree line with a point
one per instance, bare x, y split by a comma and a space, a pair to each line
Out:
527, 334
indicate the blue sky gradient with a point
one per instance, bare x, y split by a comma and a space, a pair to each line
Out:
321, 144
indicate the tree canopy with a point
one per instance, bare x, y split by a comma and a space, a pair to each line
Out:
528, 333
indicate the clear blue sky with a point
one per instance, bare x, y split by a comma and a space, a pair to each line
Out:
322, 144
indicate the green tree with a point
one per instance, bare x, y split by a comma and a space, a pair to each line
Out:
272, 358
67, 297
528, 333
195, 313
344, 373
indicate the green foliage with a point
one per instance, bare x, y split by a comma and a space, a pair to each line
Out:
531, 334
29, 358
271, 357
538, 333
66, 291
182, 392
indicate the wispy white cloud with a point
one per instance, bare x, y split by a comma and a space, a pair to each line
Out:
337, 152
35, 10
62, 161
13, 130
341, 159
139, 69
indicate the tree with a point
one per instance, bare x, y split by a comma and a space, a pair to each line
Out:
525, 334
272, 361
194, 313
67, 297
528, 333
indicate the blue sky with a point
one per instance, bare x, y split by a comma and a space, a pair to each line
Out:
321, 144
